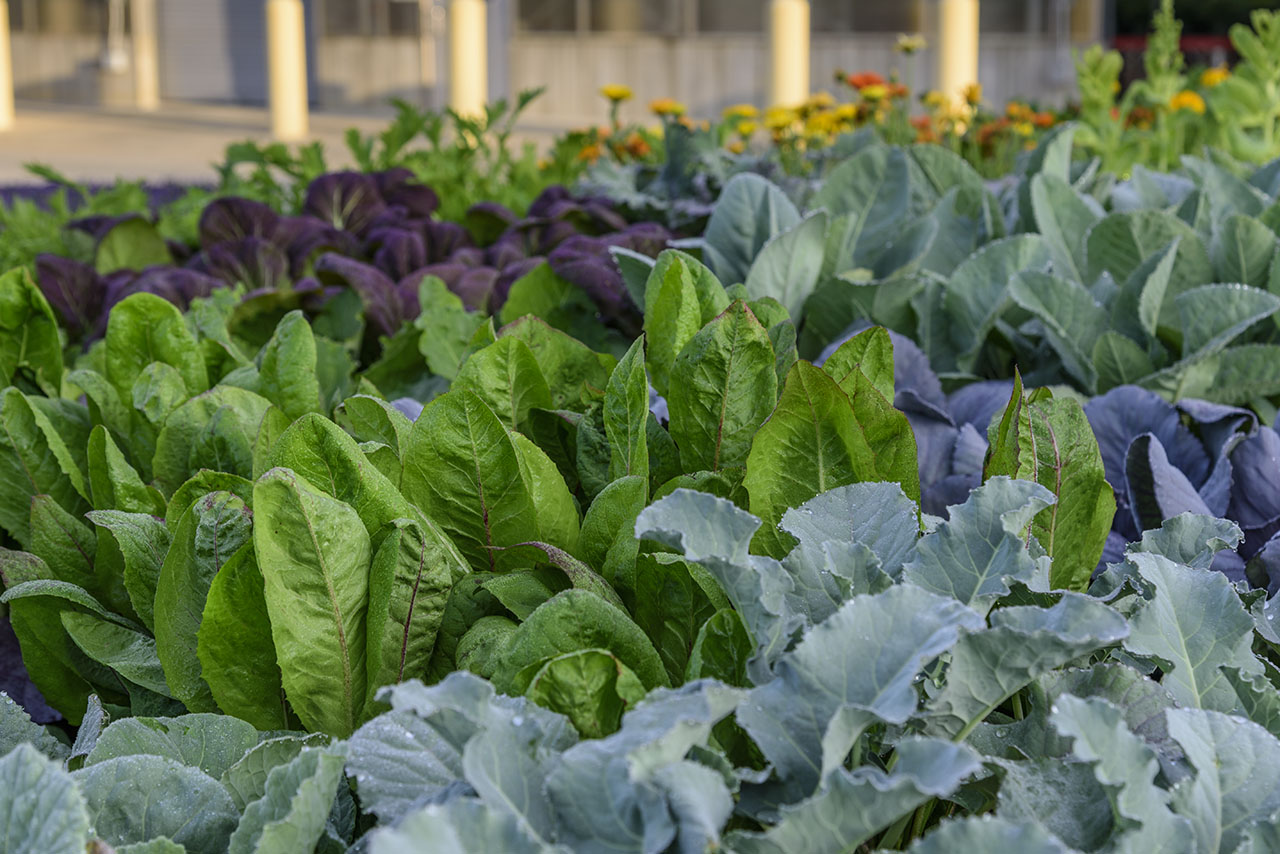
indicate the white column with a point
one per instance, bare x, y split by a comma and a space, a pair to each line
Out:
287, 69
788, 52
1086, 21
146, 67
468, 57
957, 45
6, 69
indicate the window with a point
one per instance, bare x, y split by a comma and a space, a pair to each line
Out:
629, 16
731, 16
370, 17
1015, 16
547, 16
851, 16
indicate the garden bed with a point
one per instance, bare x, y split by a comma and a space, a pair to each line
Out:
862, 502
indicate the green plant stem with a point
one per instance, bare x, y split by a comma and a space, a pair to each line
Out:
893, 836
923, 814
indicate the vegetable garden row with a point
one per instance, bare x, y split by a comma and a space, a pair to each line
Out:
879, 506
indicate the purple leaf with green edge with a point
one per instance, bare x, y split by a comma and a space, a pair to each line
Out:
444, 239
349, 201
74, 290
178, 285
304, 238
486, 221
506, 251
400, 188
474, 286
544, 205
449, 273
233, 219
547, 236
579, 574
468, 256
254, 262
586, 262
384, 302
397, 251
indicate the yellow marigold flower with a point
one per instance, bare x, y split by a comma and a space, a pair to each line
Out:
847, 112
820, 101
740, 111
777, 118
1187, 100
874, 92
747, 128
973, 94
935, 99
909, 44
820, 124
1215, 76
737, 146
1024, 128
616, 92
667, 107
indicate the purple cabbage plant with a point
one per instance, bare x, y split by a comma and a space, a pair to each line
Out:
373, 234
1161, 459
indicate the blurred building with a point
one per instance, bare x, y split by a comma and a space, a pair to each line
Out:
707, 53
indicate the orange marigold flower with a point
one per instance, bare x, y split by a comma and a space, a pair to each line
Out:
989, 131
736, 146
862, 79
898, 90
591, 153
637, 146
1043, 120
1140, 117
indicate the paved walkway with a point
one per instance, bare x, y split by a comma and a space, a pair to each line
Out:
178, 143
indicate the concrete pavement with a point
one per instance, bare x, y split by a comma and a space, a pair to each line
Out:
178, 143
